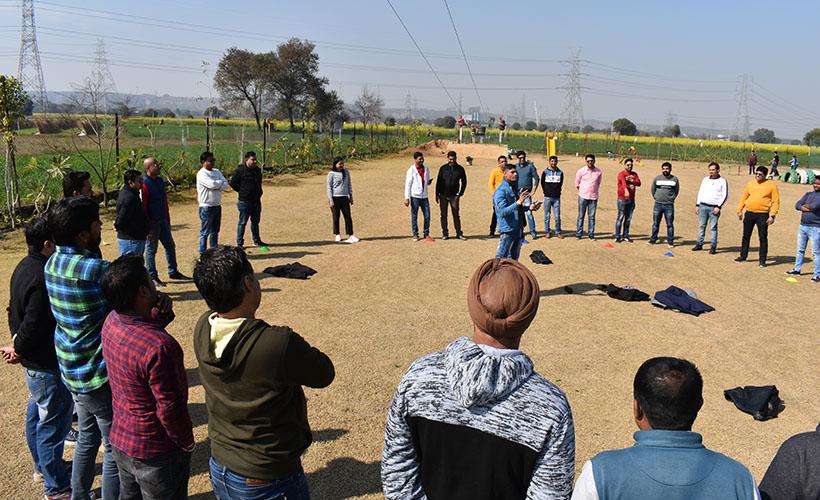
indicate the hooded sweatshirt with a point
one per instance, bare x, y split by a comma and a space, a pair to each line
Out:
253, 375
475, 422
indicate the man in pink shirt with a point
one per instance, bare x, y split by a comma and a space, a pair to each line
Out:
588, 183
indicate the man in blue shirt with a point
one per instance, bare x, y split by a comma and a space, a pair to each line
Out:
527, 180
668, 460
809, 207
507, 204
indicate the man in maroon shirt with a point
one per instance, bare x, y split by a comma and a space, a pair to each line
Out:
151, 434
628, 180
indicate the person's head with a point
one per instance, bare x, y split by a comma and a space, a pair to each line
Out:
590, 160
668, 394
250, 159
502, 298
502, 161
207, 160
132, 178
451, 157
418, 158
666, 168
510, 172
714, 170
761, 173
628, 164
553, 162
338, 164
128, 288
753, 151
77, 183
38, 237
225, 278
522, 156
76, 222
816, 186
152, 167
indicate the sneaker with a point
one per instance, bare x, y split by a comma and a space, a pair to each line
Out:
428, 239
671, 245
415, 237
71, 437
815, 279
352, 239
58, 496
445, 237
618, 240
740, 259
793, 272
762, 264
461, 237
593, 238
578, 237
533, 236
548, 236
492, 235
158, 283
337, 238
697, 248
629, 240
178, 276
559, 236
650, 242
712, 250
261, 243
36, 477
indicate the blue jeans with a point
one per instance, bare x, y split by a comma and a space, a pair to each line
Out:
706, 216
136, 247
211, 220
804, 234
424, 204
162, 233
48, 418
231, 486
667, 211
252, 211
586, 206
509, 245
531, 222
555, 205
625, 210
94, 414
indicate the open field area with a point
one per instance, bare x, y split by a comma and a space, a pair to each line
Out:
376, 306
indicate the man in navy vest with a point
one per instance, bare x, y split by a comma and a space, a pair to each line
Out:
668, 460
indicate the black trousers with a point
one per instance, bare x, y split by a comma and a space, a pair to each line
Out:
160, 478
452, 202
750, 220
341, 204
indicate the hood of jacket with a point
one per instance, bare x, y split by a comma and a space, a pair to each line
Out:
478, 376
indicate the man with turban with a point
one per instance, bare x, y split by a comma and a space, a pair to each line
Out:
475, 421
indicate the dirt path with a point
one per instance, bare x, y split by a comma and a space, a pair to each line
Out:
376, 306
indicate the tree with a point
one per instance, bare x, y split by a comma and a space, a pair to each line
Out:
124, 108
150, 113
292, 75
672, 130
516, 126
624, 127
812, 137
12, 104
530, 125
390, 121
244, 77
368, 106
587, 129
213, 112
328, 107
542, 127
764, 135
445, 122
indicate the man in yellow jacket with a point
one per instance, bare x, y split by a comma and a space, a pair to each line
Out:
496, 178
761, 201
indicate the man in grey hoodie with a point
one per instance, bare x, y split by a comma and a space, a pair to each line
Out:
475, 421
665, 189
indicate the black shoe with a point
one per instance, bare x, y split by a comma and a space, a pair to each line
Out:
762, 264
740, 259
71, 437
445, 237
815, 279
578, 237
618, 240
793, 272
593, 238
712, 250
158, 283
650, 242
261, 243
697, 248
176, 275
461, 237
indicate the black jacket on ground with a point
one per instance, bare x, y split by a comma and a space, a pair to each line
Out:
451, 180
30, 317
132, 220
248, 183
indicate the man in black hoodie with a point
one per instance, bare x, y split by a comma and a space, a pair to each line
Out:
132, 221
450, 186
253, 375
247, 181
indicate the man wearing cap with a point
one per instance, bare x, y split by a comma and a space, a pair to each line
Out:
475, 420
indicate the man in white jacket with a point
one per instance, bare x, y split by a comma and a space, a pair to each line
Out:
713, 193
415, 195
210, 183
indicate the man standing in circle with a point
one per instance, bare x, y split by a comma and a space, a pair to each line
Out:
552, 179
450, 186
665, 189
628, 180
155, 200
713, 192
588, 184
496, 178
247, 181
809, 207
210, 183
508, 204
416, 181
761, 201
752, 162
527, 180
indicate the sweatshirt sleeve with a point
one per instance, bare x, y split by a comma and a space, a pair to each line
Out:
236, 180
491, 182
653, 188
37, 320
224, 182
401, 470
636, 181
463, 175
743, 198
676, 189
775, 201
555, 466
438, 182
349, 186
725, 193
408, 183
306, 365
207, 182
801, 201
330, 186
782, 478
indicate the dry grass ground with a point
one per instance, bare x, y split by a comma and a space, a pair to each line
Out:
376, 306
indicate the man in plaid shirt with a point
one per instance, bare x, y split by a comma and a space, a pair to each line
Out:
73, 275
151, 437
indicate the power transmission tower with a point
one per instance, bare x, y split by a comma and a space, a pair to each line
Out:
29, 69
408, 107
742, 125
523, 119
572, 115
102, 75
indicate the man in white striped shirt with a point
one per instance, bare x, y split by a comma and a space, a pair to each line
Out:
713, 193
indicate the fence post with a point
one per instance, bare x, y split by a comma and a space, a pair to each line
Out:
117, 136
354, 132
264, 142
207, 134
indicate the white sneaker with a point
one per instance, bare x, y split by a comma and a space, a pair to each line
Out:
338, 238
352, 239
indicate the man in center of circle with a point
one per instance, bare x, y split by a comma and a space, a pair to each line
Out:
527, 181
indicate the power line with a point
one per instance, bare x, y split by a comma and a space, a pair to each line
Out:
466, 63
424, 57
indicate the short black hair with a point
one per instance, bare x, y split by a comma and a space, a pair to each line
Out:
670, 392
666, 164
763, 170
249, 154
207, 155
219, 276
131, 175
553, 157
629, 160
417, 155
73, 182
70, 217
121, 281
716, 164
37, 234
589, 155
451, 154
520, 152
502, 156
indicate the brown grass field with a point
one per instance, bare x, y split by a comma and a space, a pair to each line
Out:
376, 306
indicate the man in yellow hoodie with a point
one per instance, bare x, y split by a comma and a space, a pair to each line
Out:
761, 202
496, 178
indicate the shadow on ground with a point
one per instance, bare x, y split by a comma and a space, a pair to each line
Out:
574, 289
345, 478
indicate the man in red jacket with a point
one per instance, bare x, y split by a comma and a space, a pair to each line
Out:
628, 180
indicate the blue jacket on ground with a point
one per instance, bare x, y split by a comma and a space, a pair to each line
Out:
670, 465
506, 208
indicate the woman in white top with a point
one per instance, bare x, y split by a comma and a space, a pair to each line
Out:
340, 197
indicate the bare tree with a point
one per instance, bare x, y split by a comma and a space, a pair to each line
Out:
369, 106
12, 103
242, 77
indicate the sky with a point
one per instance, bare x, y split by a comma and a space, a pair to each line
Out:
644, 60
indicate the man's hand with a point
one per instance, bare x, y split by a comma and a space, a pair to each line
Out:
437, 199
165, 305
697, 210
151, 236
805, 208
770, 220
406, 202
330, 205
523, 196
9, 355
351, 201
535, 206
716, 211
740, 216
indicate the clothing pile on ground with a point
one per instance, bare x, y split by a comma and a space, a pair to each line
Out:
626, 293
682, 300
763, 403
293, 270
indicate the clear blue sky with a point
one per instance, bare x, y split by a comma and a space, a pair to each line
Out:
643, 60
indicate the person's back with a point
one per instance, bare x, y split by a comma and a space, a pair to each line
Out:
794, 473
